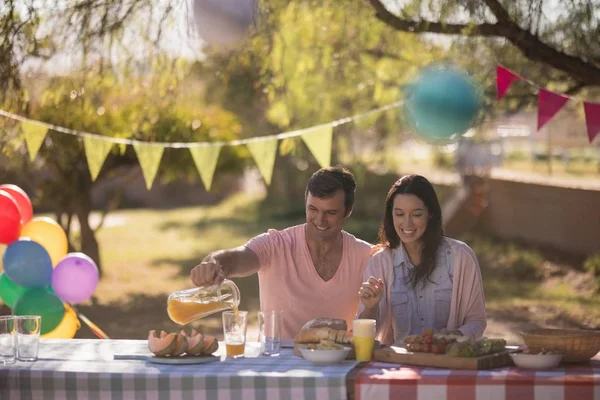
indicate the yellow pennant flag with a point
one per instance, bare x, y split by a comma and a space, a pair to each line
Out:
264, 153
205, 158
318, 142
34, 137
96, 151
149, 156
122, 148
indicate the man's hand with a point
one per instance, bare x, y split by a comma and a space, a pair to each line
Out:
208, 272
370, 292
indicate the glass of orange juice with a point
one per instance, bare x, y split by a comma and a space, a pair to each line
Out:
363, 337
234, 330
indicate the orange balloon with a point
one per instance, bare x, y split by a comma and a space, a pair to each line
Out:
67, 328
49, 234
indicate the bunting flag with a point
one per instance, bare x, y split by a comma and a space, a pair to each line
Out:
149, 156
34, 137
318, 142
95, 153
122, 148
205, 158
549, 104
264, 153
504, 78
592, 119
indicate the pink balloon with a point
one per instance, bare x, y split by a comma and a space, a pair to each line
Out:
10, 219
23, 201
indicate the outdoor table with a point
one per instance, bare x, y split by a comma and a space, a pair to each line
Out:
392, 381
87, 369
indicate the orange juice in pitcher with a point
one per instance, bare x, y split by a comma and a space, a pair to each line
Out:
185, 306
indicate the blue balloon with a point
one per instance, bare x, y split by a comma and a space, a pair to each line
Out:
27, 264
441, 104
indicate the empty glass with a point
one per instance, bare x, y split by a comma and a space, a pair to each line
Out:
28, 337
270, 324
8, 340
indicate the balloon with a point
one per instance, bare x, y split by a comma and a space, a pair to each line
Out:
75, 278
441, 104
224, 22
10, 219
23, 201
27, 264
2, 249
9, 291
50, 235
43, 303
67, 328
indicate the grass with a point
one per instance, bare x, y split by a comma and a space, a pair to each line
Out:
147, 254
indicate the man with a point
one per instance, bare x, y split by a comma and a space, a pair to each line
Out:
310, 270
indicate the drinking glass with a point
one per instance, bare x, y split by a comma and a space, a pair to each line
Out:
234, 330
28, 337
270, 324
363, 337
8, 340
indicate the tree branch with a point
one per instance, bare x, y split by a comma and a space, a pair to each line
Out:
529, 44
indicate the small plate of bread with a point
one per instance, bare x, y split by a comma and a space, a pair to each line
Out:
324, 341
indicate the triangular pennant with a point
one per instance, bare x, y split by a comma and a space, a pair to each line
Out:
264, 153
122, 148
34, 137
592, 119
205, 158
504, 78
96, 151
149, 156
549, 103
318, 142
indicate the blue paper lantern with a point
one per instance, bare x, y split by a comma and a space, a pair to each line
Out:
441, 104
27, 264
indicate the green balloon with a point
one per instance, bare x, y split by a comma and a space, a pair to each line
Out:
9, 291
43, 303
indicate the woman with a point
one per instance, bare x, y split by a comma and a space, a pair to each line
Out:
420, 278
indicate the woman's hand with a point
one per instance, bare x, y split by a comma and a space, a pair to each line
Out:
370, 292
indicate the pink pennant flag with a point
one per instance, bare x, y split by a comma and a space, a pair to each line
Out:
592, 119
504, 78
548, 104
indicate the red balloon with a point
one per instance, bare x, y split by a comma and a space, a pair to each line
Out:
10, 219
23, 201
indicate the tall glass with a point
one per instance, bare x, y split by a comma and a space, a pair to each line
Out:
270, 324
234, 330
8, 340
363, 337
28, 337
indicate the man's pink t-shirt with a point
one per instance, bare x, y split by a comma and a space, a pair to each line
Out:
288, 279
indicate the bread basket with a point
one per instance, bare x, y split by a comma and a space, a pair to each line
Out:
578, 346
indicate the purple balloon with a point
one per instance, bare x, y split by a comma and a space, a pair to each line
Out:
75, 278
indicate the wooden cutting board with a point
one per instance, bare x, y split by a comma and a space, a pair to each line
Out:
400, 355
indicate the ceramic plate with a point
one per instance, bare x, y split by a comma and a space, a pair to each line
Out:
186, 360
324, 357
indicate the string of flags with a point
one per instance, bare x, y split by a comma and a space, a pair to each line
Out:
549, 103
263, 149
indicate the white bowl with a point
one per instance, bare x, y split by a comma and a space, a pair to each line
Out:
536, 361
323, 357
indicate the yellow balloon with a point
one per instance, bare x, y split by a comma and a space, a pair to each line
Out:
2, 248
50, 235
67, 328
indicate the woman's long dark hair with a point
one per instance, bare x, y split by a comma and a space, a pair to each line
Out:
420, 187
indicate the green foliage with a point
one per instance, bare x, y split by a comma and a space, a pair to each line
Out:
592, 265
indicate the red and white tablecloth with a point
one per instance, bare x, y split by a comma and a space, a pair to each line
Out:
383, 381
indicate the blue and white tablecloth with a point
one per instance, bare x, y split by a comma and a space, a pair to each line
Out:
87, 369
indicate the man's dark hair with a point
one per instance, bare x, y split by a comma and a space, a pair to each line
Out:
327, 181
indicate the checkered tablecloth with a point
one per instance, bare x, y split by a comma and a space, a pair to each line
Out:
392, 381
87, 369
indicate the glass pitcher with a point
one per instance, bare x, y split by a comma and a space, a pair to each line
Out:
185, 306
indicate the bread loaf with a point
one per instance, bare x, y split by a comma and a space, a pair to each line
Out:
317, 335
333, 323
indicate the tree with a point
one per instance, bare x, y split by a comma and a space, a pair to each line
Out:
568, 40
